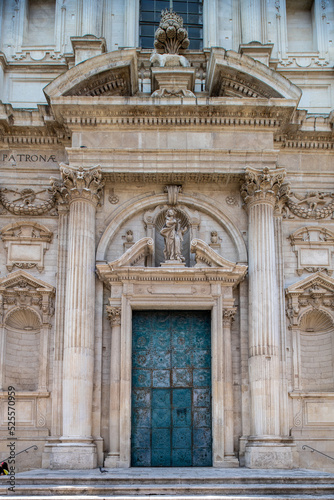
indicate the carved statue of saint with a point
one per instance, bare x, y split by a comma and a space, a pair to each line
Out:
173, 235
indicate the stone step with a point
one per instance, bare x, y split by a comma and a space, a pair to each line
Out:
186, 490
84, 496
173, 484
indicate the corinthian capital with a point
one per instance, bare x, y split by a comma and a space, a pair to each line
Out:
228, 315
262, 185
114, 315
82, 183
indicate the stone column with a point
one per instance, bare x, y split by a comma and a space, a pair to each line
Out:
82, 187
265, 447
113, 457
228, 317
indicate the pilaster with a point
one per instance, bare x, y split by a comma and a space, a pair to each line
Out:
229, 456
82, 189
113, 457
260, 192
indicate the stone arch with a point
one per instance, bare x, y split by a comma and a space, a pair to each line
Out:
127, 211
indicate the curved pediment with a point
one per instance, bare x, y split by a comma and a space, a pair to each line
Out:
231, 74
111, 74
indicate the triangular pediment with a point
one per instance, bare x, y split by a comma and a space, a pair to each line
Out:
111, 74
317, 282
25, 281
231, 74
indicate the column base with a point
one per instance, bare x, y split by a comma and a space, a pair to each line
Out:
262, 454
112, 460
227, 463
73, 456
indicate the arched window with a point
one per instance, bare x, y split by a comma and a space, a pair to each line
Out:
190, 10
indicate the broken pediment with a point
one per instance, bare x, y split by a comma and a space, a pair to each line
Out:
230, 74
21, 280
205, 256
110, 74
134, 256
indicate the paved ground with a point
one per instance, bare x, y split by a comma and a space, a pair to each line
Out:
184, 472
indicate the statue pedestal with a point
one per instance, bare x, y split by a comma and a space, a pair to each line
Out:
173, 264
173, 81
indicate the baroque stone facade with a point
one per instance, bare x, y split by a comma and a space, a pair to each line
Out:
167, 180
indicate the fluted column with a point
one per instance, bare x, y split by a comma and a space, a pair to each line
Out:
228, 317
113, 457
82, 189
260, 192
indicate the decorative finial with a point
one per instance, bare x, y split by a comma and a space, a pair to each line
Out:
170, 37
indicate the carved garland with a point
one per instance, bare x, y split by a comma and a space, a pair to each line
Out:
24, 204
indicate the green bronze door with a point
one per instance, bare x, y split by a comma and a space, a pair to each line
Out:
171, 389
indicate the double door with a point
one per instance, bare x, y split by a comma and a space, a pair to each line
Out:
171, 389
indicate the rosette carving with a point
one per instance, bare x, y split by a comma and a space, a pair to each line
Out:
81, 183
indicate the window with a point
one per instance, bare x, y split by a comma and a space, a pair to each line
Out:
190, 11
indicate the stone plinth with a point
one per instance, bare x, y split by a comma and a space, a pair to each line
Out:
173, 81
274, 454
173, 264
85, 47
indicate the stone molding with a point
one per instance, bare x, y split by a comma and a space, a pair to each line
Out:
114, 315
82, 183
26, 244
262, 186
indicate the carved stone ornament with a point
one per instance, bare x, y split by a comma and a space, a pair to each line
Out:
262, 185
173, 191
26, 244
82, 183
171, 36
114, 315
315, 292
20, 290
27, 201
228, 315
312, 205
314, 248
